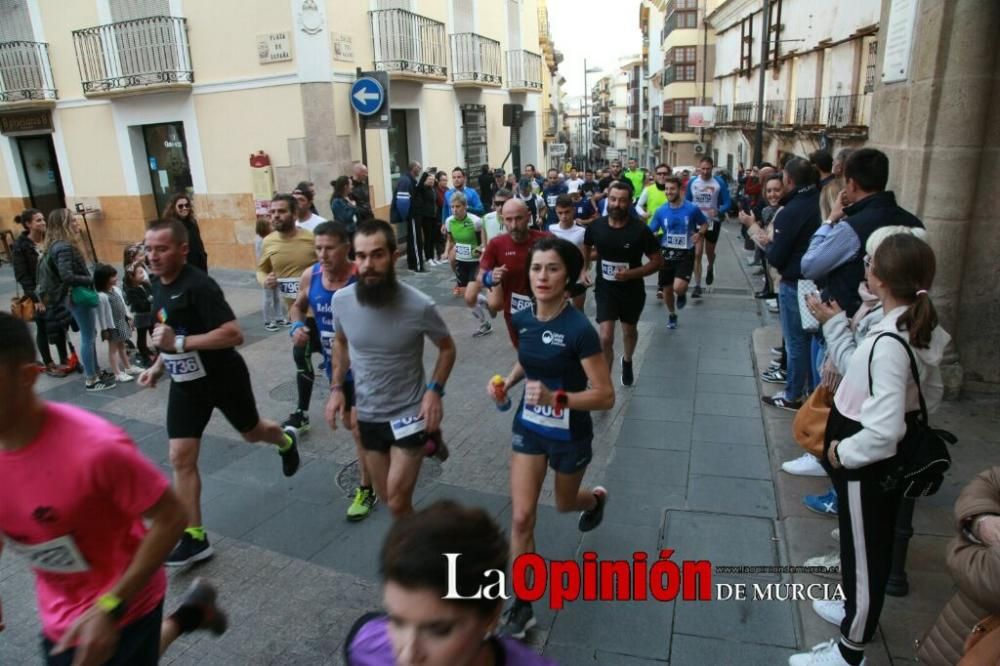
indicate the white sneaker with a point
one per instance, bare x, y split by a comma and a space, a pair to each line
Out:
831, 611
804, 465
123, 377
827, 566
824, 654
133, 370
835, 534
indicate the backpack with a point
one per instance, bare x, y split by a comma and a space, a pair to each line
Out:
49, 285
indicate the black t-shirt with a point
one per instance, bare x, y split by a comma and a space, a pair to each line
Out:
589, 187
194, 304
620, 248
604, 183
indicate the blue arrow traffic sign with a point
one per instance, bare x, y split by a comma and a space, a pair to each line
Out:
367, 96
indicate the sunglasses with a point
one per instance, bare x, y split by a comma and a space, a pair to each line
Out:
662, 173
183, 206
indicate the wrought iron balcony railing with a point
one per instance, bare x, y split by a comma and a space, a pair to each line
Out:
744, 113
721, 114
152, 51
807, 110
774, 112
25, 72
408, 44
475, 60
847, 111
524, 70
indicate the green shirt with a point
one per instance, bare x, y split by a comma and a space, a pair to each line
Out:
638, 180
465, 233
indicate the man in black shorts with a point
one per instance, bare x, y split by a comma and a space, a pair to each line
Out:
620, 241
196, 334
680, 225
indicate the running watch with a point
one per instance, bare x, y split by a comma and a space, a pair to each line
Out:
179, 344
112, 605
561, 399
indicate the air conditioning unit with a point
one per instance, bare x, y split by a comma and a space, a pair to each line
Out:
699, 149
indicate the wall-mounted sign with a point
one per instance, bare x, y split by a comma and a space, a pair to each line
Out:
899, 40
343, 47
701, 116
274, 47
26, 122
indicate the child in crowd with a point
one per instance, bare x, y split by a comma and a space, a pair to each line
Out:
139, 297
113, 322
274, 317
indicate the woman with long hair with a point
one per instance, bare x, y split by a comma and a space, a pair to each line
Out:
65, 249
343, 207
423, 207
181, 207
877, 401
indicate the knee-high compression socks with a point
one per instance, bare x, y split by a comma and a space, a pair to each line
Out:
305, 375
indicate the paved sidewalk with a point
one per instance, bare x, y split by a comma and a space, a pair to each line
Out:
690, 460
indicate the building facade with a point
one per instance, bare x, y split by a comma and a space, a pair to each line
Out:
651, 16
114, 105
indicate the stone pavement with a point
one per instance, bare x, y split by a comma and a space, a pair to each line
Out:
690, 460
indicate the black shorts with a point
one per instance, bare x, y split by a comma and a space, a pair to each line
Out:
567, 457
676, 268
712, 234
138, 644
622, 304
466, 272
577, 289
190, 404
378, 437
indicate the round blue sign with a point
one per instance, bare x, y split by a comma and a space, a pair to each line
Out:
367, 96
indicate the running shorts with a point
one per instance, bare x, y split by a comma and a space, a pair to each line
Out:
190, 404
622, 304
466, 272
678, 268
567, 457
712, 234
378, 437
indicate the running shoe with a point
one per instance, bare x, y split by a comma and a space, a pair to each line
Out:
659, 294
290, 453
781, 402
364, 502
189, 550
804, 465
435, 447
627, 377
200, 610
825, 505
827, 566
831, 611
682, 300
484, 329
517, 619
100, 384
457, 291
824, 654
672, 321
776, 351
298, 420
272, 327
124, 378
590, 519
696, 291
710, 276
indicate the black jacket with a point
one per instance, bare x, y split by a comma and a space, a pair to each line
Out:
70, 264
197, 256
486, 186
424, 202
24, 255
794, 225
361, 198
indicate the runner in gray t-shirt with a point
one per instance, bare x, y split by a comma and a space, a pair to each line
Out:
380, 327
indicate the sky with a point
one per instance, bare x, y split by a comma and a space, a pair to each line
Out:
599, 30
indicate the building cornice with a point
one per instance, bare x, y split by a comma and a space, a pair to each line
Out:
731, 11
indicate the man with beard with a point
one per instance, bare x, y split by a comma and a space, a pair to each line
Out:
679, 225
654, 195
614, 174
380, 326
285, 254
620, 241
502, 267
711, 195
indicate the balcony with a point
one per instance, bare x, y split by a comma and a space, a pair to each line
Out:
550, 123
674, 125
807, 111
847, 111
721, 114
408, 45
524, 71
134, 56
774, 112
25, 74
743, 114
475, 61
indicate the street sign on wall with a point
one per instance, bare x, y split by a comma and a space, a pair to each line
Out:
557, 149
369, 97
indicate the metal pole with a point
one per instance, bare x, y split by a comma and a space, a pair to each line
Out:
758, 139
586, 116
897, 585
363, 122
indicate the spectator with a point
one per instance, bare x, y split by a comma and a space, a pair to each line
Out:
180, 207
343, 207
306, 216
359, 192
485, 183
309, 189
828, 193
139, 298
113, 322
400, 213
440, 189
424, 209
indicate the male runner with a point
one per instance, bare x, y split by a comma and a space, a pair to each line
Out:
711, 195
654, 195
380, 326
502, 266
493, 226
614, 173
305, 218
568, 229
620, 241
553, 189
74, 492
574, 181
534, 203
589, 186
583, 212
197, 334
636, 176
317, 286
465, 235
285, 253
679, 224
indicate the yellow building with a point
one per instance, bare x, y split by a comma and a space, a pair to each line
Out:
116, 104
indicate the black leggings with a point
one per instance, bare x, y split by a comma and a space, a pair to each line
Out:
43, 337
140, 340
431, 228
305, 373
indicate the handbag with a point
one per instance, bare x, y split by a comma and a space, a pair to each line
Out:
809, 322
809, 426
22, 307
85, 297
982, 647
922, 457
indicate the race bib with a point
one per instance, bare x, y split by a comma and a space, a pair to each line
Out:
288, 287
610, 268
550, 200
519, 302
57, 556
463, 252
406, 426
326, 339
547, 421
184, 367
675, 241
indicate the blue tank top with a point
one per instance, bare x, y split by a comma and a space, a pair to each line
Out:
321, 303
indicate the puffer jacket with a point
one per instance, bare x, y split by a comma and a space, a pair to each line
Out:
975, 568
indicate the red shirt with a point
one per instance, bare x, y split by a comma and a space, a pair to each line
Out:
505, 251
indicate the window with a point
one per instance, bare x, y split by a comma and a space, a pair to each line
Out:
675, 114
681, 64
680, 14
871, 67
746, 46
127, 10
682, 55
15, 22
514, 25
474, 137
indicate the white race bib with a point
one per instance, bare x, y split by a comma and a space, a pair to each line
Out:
610, 268
184, 367
56, 556
676, 241
519, 302
406, 426
326, 339
550, 200
547, 417
288, 287
463, 252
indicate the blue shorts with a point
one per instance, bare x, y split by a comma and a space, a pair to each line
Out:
568, 457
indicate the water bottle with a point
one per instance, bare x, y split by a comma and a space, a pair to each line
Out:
502, 399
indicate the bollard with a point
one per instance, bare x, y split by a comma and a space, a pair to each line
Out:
897, 584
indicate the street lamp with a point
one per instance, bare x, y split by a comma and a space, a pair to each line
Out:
586, 114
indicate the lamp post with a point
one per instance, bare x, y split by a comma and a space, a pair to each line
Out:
586, 114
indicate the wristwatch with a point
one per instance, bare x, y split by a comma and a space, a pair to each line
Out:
112, 605
561, 399
436, 387
179, 344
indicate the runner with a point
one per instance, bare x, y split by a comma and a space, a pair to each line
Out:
559, 356
568, 230
305, 218
502, 266
74, 492
620, 241
493, 226
654, 195
380, 326
636, 176
465, 235
196, 334
534, 203
680, 224
711, 195
285, 254
553, 189
317, 286
584, 212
